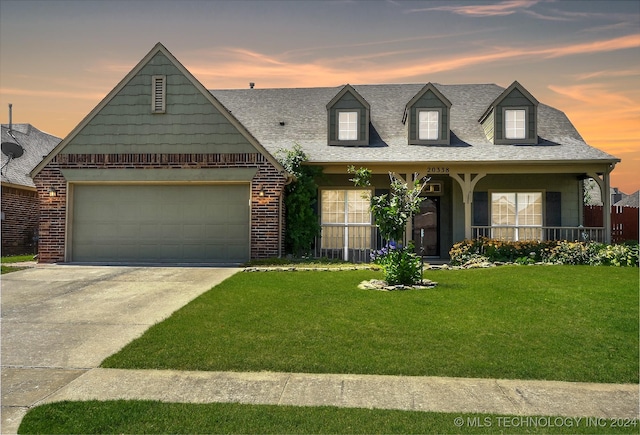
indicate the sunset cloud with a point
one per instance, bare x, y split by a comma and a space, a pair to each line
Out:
592, 106
607, 73
484, 10
31, 92
62, 58
233, 64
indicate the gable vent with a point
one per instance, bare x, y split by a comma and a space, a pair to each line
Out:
158, 92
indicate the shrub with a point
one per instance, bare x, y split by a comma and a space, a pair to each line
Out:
401, 266
617, 255
300, 198
391, 212
529, 252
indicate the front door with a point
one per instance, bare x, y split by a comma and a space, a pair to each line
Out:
426, 236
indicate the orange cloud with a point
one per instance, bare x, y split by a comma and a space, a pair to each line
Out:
281, 71
500, 9
51, 94
624, 42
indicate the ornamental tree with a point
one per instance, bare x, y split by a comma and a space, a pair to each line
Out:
391, 213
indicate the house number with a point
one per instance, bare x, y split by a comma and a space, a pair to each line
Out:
437, 170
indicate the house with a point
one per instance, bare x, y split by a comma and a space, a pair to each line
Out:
23, 147
164, 170
625, 200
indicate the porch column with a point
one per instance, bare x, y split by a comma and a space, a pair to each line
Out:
605, 189
467, 182
606, 209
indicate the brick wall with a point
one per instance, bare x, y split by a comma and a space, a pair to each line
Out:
19, 221
266, 227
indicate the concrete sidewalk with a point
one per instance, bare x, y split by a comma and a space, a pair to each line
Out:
61, 321
416, 393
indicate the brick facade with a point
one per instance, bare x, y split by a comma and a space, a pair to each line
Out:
19, 221
267, 226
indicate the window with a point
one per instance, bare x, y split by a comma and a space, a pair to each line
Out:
515, 124
516, 215
346, 220
428, 123
347, 125
158, 94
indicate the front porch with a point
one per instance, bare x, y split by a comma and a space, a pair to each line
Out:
356, 242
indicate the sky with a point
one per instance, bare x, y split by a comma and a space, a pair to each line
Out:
59, 59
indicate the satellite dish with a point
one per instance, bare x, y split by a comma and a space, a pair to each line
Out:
12, 150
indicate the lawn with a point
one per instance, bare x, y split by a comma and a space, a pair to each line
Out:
13, 259
569, 323
223, 418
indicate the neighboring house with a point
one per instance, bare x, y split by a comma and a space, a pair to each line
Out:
632, 200
165, 170
19, 197
619, 198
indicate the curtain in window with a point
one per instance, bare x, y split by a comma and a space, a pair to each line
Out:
346, 219
517, 215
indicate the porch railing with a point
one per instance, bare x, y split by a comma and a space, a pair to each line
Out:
350, 242
582, 234
355, 242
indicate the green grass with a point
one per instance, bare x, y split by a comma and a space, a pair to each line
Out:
160, 418
567, 323
13, 259
16, 258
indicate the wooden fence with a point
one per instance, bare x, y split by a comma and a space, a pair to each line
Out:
624, 221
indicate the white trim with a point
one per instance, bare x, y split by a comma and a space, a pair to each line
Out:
515, 127
347, 123
428, 122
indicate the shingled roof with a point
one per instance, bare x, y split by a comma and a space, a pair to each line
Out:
280, 118
36, 145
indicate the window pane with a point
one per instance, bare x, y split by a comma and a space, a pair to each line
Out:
340, 210
514, 124
332, 237
359, 237
428, 124
358, 207
503, 209
345, 206
332, 206
521, 211
530, 208
347, 125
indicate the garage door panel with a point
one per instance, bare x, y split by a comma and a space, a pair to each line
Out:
237, 232
161, 223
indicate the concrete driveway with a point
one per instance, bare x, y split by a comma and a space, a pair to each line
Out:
59, 321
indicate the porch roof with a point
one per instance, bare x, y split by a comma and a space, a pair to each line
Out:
281, 118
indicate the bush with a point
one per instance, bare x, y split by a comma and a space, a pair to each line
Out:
300, 197
617, 255
556, 252
401, 266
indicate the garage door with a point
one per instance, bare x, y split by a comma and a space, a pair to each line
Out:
160, 223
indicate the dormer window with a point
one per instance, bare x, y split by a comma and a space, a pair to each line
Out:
428, 117
512, 118
428, 124
347, 125
515, 125
348, 119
